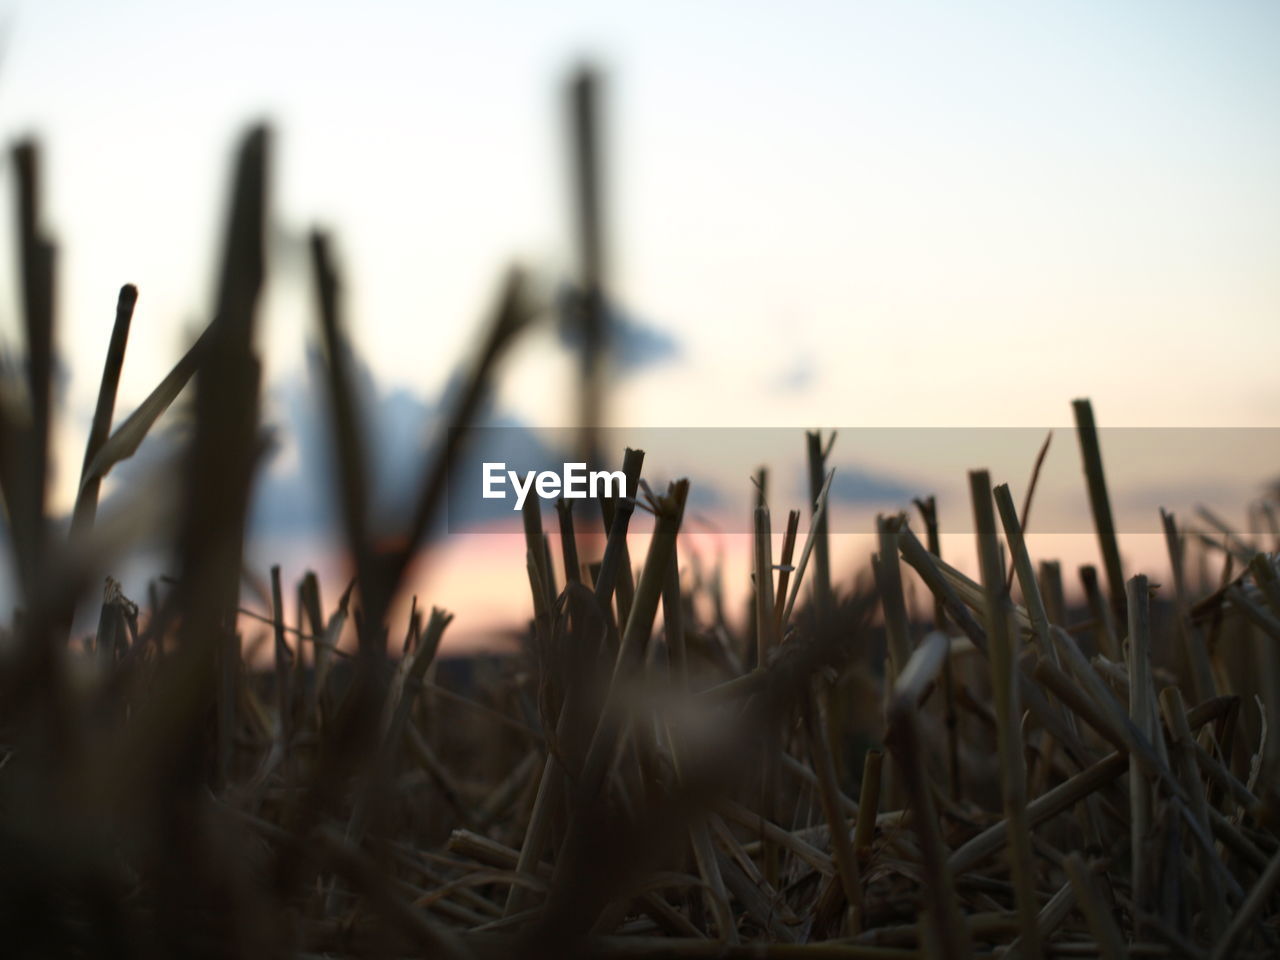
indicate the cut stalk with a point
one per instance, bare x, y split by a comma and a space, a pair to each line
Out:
951, 939
551, 787
784, 569
868, 804
1100, 503
929, 512
1104, 624
823, 597
889, 581
1192, 640
1142, 715
87, 498
829, 793
1013, 774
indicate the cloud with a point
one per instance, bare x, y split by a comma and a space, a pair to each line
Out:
854, 485
1137, 507
296, 494
633, 344
1179, 494
798, 376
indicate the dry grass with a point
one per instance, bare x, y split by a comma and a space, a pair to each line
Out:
1059, 787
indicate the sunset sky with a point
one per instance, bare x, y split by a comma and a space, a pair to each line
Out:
838, 214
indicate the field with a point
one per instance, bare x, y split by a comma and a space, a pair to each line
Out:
1005, 773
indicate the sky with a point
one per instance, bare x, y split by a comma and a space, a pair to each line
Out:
833, 214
